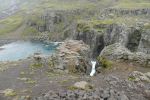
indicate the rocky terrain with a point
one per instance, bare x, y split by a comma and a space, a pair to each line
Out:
114, 33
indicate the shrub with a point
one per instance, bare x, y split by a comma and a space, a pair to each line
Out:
105, 62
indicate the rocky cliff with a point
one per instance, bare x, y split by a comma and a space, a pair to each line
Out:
110, 27
99, 24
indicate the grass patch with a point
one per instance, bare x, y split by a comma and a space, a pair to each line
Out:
64, 81
64, 5
27, 80
10, 24
98, 25
30, 31
133, 4
9, 93
72, 88
105, 62
36, 66
131, 78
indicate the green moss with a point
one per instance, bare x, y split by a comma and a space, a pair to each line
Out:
31, 82
27, 80
98, 25
72, 88
36, 66
51, 63
83, 27
131, 78
9, 93
63, 81
105, 62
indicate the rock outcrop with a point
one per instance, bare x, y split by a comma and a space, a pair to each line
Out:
118, 42
118, 52
139, 76
72, 55
58, 25
126, 12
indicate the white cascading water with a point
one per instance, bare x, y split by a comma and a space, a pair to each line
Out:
93, 71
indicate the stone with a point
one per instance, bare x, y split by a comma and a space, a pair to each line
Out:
82, 85
139, 76
123, 97
111, 98
105, 94
147, 93
148, 74
72, 56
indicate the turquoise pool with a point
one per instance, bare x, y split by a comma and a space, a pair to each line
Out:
23, 49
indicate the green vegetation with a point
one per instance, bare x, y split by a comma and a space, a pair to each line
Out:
72, 88
64, 81
64, 5
105, 62
98, 25
30, 31
36, 65
35, 8
9, 93
132, 4
131, 78
10, 24
27, 80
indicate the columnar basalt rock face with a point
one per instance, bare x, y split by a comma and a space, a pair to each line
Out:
116, 33
127, 12
144, 44
61, 25
119, 42
92, 38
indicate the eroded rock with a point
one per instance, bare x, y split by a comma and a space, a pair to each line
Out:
139, 76
72, 56
118, 52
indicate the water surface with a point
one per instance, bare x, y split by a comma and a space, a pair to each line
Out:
23, 49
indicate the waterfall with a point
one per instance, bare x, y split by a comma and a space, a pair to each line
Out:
93, 71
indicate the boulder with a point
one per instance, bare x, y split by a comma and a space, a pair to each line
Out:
82, 85
118, 52
139, 76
